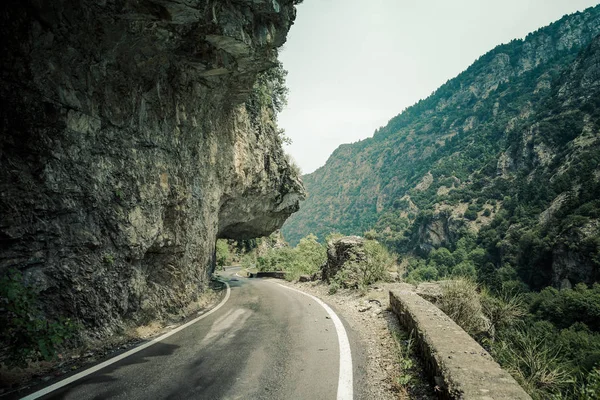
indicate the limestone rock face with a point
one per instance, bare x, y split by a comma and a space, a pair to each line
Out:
339, 252
126, 148
441, 229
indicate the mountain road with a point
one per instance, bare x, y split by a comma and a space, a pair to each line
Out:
265, 341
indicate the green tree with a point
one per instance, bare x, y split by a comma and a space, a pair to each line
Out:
223, 256
442, 256
465, 269
423, 273
311, 252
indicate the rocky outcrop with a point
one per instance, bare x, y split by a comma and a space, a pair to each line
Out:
441, 229
341, 251
126, 148
563, 145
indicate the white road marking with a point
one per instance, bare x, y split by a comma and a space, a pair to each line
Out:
113, 360
345, 389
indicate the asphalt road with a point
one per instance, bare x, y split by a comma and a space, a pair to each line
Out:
265, 342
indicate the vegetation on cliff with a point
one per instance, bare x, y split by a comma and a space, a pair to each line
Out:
365, 263
27, 334
551, 354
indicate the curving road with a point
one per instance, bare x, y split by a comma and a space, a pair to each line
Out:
266, 342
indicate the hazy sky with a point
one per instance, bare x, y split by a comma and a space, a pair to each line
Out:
355, 64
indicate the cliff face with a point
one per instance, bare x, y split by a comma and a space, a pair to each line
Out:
510, 141
561, 149
127, 148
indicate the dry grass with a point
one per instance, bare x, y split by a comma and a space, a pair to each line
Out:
461, 302
534, 363
502, 311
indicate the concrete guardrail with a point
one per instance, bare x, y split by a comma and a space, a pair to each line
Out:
459, 366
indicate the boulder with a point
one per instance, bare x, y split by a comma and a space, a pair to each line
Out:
340, 251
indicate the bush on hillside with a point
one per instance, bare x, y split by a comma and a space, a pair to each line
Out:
372, 267
27, 335
460, 301
565, 307
304, 259
223, 257
535, 362
422, 273
503, 311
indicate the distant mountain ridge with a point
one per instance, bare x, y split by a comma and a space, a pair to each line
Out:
510, 146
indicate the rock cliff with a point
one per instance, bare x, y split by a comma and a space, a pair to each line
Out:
127, 148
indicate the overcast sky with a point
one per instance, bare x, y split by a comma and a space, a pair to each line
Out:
355, 64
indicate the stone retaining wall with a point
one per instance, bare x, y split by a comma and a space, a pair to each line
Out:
459, 366
269, 274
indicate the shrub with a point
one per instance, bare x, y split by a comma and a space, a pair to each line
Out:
222, 253
470, 215
304, 259
460, 301
565, 307
370, 235
590, 390
27, 335
371, 268
279, 259
442, 256
108, 259
464, 269
377, 262
333, 288
423, 273
249, 260
503, 311
333, 236
533, 361
293, 165
579, 347
311, 252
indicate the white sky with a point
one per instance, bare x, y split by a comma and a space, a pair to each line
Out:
355, 64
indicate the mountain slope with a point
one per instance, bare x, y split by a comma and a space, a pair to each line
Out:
453, 163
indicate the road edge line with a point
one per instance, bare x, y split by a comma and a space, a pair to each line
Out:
345, 380
128, 353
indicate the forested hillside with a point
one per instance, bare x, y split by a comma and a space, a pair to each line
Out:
503, 159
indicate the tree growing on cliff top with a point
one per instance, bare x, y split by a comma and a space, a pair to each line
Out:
269, 91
